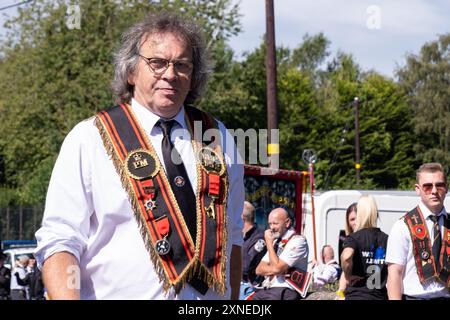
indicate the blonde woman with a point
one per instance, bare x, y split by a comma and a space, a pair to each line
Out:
363, 258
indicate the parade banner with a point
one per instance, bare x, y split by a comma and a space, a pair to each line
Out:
268, 190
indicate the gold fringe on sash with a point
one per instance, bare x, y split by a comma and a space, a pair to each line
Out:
142, 224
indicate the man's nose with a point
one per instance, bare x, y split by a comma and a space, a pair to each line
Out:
434, 189
170, 72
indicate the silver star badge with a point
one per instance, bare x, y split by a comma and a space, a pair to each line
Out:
150, 204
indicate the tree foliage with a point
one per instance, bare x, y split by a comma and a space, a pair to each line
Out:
54, 76
426, 80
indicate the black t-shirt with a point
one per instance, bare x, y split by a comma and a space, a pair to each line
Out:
368, 262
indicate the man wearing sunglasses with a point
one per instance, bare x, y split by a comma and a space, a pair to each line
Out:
418, 250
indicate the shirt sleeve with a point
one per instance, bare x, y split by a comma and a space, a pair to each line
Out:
236, 195
350, 242
398, 244
68, 206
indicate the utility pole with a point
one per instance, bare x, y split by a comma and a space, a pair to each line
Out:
357, 152
271, 76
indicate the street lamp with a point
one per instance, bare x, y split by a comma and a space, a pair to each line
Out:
357, 152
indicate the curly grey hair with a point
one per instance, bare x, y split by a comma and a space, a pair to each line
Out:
126, 57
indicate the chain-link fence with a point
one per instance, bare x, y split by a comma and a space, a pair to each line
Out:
20, 223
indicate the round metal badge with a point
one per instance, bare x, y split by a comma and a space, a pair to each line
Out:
141, 164
425, 255
210, 161
179, 181
162, 246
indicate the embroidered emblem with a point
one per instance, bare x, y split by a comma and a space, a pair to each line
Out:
419, 231
210, 161
259, 245
141, 164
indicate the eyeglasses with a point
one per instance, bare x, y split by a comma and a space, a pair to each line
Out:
160, 65
428, 187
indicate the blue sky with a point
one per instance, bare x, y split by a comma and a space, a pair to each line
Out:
378, 33
351, 26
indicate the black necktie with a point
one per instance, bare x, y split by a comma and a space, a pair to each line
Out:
178, 178
437, 241
182, 189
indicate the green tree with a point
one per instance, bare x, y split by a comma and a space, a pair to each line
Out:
426, 80
53, 75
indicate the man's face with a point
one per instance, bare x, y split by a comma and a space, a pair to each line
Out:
432, 189
163, 93
278, 224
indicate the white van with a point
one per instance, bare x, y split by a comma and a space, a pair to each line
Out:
13, 254
330, 208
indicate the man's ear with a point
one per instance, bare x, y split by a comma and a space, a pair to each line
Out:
417, 187
131, 78
288, 222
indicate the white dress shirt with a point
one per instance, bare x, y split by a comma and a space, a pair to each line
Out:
22, 272
294, 254
87, 213
400, 251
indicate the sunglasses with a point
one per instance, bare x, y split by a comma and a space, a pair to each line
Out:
428, 187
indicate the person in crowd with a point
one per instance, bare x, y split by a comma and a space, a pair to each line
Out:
20, 279
350, 226
418, 252
329, 271
5, 278
286, 251
36, 285
363, 258
253, 249
153, 177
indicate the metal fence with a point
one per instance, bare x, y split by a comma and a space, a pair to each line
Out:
20, 223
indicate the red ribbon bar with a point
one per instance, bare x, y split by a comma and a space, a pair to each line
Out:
214, 184
163, 225
149, 188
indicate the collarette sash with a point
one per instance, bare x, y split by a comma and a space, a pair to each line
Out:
151, 198
423, 256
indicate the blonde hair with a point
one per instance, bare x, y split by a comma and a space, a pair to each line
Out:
366, 213
431, 167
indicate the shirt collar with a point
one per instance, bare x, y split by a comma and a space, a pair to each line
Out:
148, 119
427, 212
331, 262
287, 234
250, 232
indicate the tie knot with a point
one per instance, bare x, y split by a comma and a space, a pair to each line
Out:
434, 218
166, 126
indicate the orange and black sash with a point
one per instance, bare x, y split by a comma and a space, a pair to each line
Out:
423, 256
145, 181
